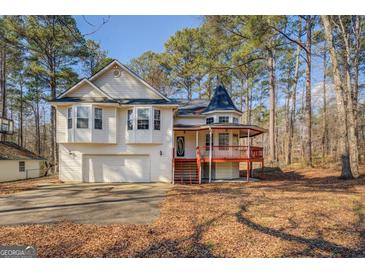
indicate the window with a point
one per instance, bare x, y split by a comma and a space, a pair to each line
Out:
69, 118
130, 119
223, 141
21, 166
82, 117
235, 139
157, 119
235, 120
5, 125
210, 120
207, 141
98, 118
223, 119
143, 118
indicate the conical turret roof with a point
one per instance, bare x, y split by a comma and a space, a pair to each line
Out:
220, 101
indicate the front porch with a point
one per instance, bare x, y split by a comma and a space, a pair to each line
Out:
215, 152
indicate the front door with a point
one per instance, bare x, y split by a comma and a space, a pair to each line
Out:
180, 146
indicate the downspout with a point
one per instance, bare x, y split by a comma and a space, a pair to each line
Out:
210, 154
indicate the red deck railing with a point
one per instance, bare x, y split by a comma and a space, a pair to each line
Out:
230, 152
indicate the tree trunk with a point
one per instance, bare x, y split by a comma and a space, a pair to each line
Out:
357, 60
325, 123
272, 80
44, 135
37, 126
2, 85
54, 153
21, 110
248, 103
351, 121
293, 108
308, 100
343, 145
287, 126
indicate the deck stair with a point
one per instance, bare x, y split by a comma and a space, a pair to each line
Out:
186, 171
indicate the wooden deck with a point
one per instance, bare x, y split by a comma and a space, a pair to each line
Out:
215, 154
230, 154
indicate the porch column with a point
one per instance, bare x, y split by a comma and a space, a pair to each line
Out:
196, 155
210, 154
196, 139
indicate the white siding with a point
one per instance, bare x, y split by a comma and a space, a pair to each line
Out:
124, 86
71, 154
85, 91
9, 170
61, 117
189, 120
70, 161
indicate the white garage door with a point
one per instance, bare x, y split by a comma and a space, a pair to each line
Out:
116, 168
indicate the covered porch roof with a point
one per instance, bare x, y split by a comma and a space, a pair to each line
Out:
245, 130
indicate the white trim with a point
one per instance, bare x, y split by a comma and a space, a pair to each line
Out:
79, 84
222, 111
65, 104
130, 73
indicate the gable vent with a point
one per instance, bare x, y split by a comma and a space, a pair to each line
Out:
117, 73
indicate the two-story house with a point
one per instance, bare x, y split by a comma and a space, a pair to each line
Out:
115, 127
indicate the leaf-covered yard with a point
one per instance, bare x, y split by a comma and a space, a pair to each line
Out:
302, 213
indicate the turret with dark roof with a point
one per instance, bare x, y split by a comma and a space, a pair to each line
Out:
220, 101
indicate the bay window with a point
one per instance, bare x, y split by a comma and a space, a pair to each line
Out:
69, 118
98, 118
156, 119
143, 118
82, 117
130, 119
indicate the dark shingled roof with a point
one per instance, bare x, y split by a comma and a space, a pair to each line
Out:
194, 107
11, 151
221, 101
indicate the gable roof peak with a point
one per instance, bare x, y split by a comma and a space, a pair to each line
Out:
130, 72
221, 100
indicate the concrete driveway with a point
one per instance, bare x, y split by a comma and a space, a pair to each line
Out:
91, 203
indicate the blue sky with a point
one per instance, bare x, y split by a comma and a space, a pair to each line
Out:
127, 37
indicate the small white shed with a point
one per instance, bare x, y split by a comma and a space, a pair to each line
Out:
17, 163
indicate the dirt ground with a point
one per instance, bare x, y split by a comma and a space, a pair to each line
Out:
295, 213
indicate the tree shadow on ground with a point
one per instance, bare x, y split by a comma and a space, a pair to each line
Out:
312, 244
184, 247
278, 180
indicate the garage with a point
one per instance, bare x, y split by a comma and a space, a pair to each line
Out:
116, 168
